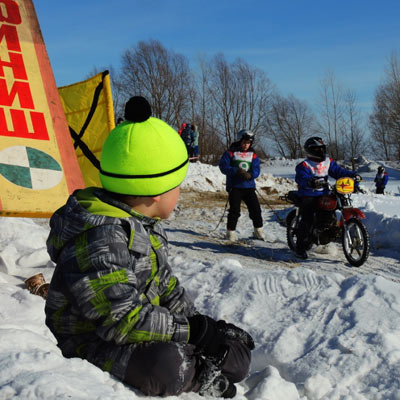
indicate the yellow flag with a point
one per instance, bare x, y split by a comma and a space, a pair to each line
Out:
89, 110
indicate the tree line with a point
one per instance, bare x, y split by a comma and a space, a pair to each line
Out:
222, 97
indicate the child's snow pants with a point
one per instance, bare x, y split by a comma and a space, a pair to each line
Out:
168, 369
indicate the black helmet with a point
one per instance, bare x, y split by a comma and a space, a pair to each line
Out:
381, 169
245, 134
315, 148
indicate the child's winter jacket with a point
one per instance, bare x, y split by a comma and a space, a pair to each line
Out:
112, 286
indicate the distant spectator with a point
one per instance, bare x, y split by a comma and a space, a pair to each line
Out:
381, 180
183, 126
187, 136
195, 145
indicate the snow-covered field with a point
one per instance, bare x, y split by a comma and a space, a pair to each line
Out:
323, 329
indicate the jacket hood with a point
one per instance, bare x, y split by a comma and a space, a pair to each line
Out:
84, 210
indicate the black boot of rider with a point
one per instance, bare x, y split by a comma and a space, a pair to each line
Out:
301, 253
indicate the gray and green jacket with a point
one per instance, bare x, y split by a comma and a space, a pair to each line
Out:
112, 287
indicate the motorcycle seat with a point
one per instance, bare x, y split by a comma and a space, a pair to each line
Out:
293, 197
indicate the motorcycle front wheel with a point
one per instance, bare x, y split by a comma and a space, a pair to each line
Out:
355, 241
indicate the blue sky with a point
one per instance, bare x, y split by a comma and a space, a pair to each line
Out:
294, 41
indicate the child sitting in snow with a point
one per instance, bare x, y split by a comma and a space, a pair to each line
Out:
113, 299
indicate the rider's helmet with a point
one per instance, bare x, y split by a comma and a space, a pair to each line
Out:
381, 169
245, 134
315, 148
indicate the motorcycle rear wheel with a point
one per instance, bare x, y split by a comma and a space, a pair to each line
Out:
291, 231
355, 242
291, 236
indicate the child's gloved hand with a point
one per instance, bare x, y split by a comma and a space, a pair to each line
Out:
233, 332
205, 335
209, 336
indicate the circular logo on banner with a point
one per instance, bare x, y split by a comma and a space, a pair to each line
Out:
29, 168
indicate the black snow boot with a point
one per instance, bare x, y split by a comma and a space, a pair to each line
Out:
212, 382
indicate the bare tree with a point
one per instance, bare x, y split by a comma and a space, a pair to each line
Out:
161, 76
210, 144
385, 119
289, 123
331, 115
240, 95
356, 141
378, 125
119, 97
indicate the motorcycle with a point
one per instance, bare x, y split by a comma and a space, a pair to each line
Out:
335, 219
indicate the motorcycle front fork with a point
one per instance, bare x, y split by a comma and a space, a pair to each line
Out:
342, 223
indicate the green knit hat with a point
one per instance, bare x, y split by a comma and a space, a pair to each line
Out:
142, 156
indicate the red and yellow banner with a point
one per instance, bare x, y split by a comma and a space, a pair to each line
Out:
38, 165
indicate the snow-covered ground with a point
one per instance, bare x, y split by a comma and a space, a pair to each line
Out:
323, 329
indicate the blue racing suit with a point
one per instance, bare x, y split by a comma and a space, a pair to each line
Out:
306, 172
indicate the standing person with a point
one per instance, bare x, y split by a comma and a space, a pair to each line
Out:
113, 299
381, 180
241, 166
183, 126
195, 144
187, 136
311, 178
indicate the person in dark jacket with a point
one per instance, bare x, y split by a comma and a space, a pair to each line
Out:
381, 180
311, 178
113, 298
195, 145
188, 137
241, 166
183, 126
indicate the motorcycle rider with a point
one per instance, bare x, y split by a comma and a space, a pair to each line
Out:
311, 178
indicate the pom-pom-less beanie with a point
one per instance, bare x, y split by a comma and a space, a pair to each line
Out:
142, 156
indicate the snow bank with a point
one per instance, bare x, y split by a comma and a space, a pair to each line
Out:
205, 177
321, 336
